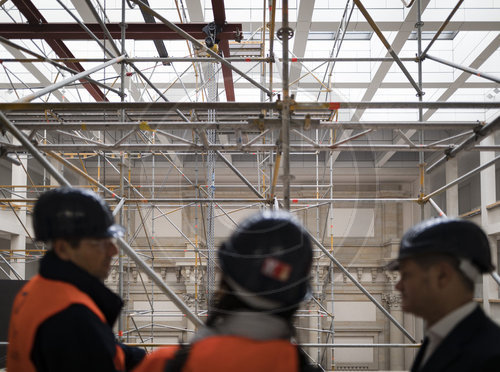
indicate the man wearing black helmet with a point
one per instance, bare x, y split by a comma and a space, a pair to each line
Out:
265, 276
439, 261
62, 319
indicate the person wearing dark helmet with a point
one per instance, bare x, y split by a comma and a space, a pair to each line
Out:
265, 268
62, 318
439, 261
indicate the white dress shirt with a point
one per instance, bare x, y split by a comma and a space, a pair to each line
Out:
443, 327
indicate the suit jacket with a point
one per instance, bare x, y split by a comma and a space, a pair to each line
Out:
472, 346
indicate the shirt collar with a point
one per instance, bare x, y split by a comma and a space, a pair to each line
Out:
444, 326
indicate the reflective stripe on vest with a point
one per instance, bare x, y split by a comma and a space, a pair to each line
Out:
37, 301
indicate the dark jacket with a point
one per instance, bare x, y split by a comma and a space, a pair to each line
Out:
472, 346
76, 339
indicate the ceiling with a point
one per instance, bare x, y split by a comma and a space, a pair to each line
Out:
358, 115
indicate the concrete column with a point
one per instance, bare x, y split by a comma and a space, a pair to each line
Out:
488, 196
18, 241
396, 355
452, 193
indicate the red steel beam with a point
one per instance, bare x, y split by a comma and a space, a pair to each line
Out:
219, 11
135, 31
35, 18
227, 73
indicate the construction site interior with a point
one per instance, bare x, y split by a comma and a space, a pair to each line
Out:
360, 117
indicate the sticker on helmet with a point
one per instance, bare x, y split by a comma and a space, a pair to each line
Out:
276, 269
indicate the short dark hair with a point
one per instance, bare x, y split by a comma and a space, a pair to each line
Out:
73, 242
227, 302
427, 260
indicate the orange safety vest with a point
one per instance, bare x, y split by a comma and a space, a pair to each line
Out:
228, 354
37, 301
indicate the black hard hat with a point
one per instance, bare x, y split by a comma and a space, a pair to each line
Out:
73, 213
453, 236
267, 261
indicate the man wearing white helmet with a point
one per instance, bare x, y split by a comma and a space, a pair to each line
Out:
439, 261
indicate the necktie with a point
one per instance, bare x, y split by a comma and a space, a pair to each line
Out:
421, 352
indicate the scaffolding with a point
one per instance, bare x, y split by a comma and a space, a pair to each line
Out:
149, 159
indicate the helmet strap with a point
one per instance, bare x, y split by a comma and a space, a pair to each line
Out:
469, 269
251, 298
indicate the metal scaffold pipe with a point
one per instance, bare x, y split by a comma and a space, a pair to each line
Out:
326, 345
467, 143
436, 207
123, 244
421, 133
239, 174
272, 23
409, 346
186, 148
286, 32
159, 282
495, 277
388, 46
462, 178
187, 201
82, 25
16, 274
32, 149
82, 173
53, 62
69, 80
186, 36
296, 123
470, 70
208, 59
103, 27
445, 23
350, 59
361, 288
148, 107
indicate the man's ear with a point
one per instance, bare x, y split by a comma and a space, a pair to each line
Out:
62, 249
445, 273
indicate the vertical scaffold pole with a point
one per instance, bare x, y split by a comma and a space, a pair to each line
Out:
330, 267
421, 137
196, 229
211, 158
285, 114
318, 258
122, 191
